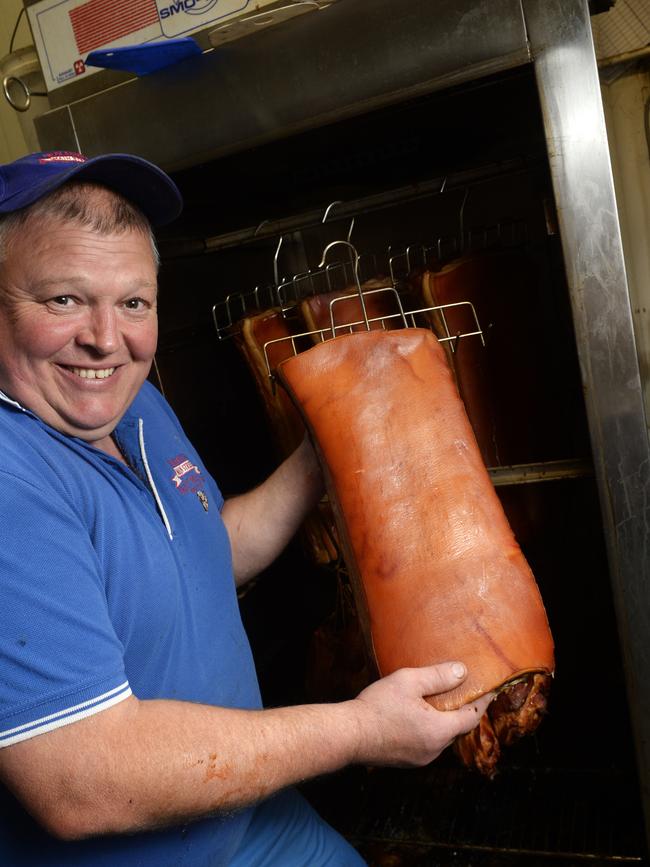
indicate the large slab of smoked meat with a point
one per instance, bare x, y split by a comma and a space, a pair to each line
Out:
285, 422
436, 569
508, 431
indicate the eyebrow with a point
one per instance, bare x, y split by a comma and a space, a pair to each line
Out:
53, 282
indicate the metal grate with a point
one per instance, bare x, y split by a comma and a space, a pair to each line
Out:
563, 815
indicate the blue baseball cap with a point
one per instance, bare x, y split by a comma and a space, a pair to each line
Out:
28, 179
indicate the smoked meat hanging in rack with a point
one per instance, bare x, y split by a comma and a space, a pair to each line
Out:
435, 567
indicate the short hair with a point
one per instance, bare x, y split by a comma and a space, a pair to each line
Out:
86, 204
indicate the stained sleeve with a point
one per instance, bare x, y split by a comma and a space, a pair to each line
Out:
60, 659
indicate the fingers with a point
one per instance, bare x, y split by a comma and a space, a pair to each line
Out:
434, 679
469, 715
445, 676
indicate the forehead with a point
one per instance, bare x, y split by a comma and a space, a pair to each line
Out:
42, 241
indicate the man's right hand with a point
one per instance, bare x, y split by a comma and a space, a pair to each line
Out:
398, 727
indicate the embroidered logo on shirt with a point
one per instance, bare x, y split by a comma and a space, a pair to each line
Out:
187, 476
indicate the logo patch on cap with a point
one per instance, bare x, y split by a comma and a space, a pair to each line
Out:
62, 157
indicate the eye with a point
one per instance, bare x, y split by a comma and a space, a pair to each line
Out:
137, 304
62, 300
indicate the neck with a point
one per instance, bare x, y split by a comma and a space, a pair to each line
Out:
107, 444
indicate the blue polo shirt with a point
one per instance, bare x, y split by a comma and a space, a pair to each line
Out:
113, 581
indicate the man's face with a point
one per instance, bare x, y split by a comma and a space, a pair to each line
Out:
78, 324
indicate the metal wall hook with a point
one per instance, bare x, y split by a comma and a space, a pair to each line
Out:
342, 244
215, 320
19, 106
327, 213
355, 261
276, 274
261, 225
461, 220
282, 296
329, 208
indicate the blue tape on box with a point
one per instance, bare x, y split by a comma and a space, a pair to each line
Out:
144, 58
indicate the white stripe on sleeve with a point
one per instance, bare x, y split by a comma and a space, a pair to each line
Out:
63, 717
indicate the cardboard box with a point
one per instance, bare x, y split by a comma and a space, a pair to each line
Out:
66, 31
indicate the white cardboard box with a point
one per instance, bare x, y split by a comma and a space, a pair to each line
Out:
66, 31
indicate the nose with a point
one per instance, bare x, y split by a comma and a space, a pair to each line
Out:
100, 331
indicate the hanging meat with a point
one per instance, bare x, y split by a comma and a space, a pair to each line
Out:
286, 424
436, 570
255, 333
344, 307
497, 283
507, 432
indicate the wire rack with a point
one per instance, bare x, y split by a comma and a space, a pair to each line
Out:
394, 265
286, 295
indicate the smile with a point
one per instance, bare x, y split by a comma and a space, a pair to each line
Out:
92, 373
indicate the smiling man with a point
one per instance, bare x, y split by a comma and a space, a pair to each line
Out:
131, 728
79, 327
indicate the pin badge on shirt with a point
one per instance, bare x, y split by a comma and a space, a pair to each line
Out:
204, 500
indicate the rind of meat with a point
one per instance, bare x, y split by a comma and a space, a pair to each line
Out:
317, 314
286, 424
436, 569
480, 748
255, 332
517, 711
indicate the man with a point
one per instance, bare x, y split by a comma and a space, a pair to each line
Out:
130, 715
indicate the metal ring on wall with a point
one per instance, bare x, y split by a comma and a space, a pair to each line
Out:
28, 96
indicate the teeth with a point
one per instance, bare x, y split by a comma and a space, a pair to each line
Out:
90, 373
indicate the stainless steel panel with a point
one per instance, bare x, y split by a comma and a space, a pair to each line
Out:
341, 61
62, 134
567, 77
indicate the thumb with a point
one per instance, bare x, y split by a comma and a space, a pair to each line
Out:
442, 677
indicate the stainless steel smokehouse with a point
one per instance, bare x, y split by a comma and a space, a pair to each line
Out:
465, 126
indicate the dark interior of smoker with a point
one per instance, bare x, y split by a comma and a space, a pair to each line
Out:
569, 794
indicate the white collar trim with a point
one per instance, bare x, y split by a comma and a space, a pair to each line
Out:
7, 399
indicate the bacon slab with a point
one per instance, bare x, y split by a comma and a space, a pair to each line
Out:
255, 332
286, 424
507, 431
317, 310
436, 570
498, 283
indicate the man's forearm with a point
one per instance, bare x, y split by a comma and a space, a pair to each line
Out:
143, 765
